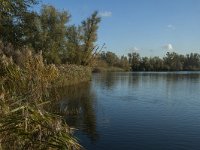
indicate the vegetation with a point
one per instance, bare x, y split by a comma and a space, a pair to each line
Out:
48, 31
171, 62
134, 62
109, 61
25, 122
40, 50
72, 74
77, 106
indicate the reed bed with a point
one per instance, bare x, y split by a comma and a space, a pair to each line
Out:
24, 92
73, 74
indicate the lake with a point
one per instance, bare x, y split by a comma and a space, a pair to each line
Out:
140, 111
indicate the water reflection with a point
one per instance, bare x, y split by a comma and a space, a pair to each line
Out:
135, 110
147, 110
77, 105
106, 80
111, 80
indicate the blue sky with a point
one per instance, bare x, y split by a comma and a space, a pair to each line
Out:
150, 27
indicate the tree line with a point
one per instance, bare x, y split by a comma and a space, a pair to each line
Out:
48, 31
172, 61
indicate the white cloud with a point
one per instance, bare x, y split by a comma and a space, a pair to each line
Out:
168, 47
105, 14
135, 49
170, 26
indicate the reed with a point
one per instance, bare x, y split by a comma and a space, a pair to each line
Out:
72, 74
24, 93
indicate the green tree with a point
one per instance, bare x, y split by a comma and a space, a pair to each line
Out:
156, 64
111, 58
192, 61
89, 29
124, 63
52, 32
173, 61
12, 22
145, 64
74, 50
134, 60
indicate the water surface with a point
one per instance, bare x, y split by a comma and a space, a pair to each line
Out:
136, 111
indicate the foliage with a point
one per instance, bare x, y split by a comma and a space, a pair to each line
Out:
12, 20
48, 31
72, 74
52, 33
81, 39
25, 123
134, 62
89, 29
109, 61
74, 52
171, 62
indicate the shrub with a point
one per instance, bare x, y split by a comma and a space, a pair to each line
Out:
24, 122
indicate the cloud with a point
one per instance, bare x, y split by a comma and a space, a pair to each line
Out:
168, 47
105, 14
135, 49
171, 27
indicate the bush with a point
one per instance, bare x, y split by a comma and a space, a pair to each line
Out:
24, 92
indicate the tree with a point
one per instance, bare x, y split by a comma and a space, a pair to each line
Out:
145, 64
156, 64
124, 63
89, 29
173, 61
111, 58
52, 32
74, 50
134, 60
192, 61
12, 25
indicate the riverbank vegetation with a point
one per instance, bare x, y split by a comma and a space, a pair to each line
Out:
171, 62
48, 31
134, 62
40, 51
24, 96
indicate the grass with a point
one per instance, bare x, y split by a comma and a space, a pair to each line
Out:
73, 74
107, 69
24, 94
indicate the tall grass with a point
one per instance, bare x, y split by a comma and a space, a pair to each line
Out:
73, 74
24, 93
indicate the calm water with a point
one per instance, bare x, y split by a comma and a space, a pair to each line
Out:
136, 111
